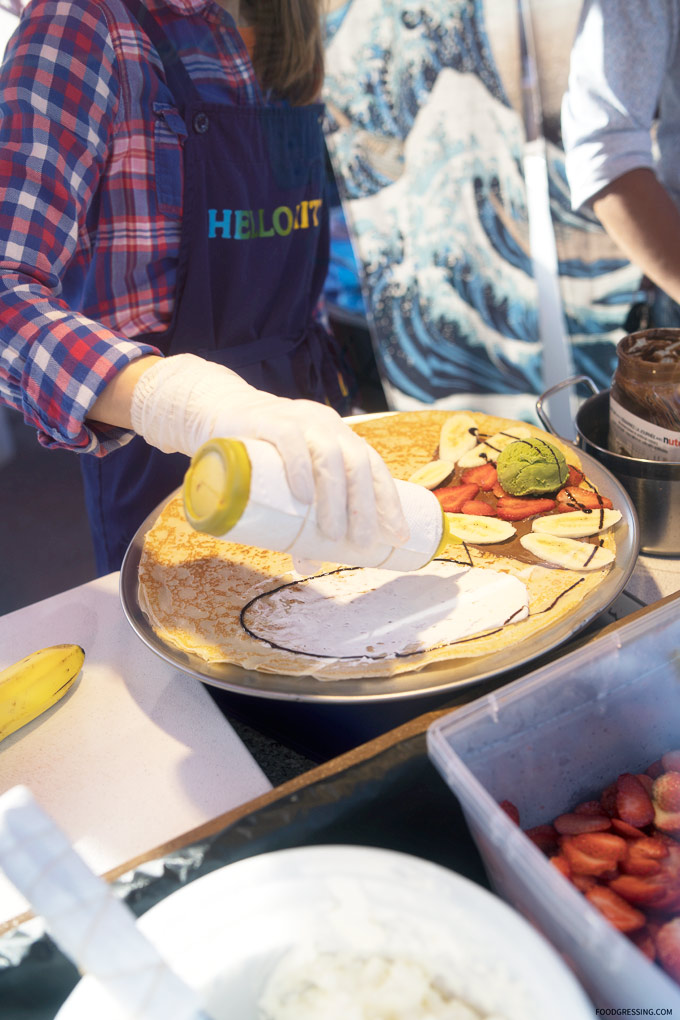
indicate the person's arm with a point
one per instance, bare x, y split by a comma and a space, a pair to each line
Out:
113, 406
641, 217
57, 127
619, 68
178, 403
82, 385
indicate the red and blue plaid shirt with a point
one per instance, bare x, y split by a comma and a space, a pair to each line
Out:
91, 197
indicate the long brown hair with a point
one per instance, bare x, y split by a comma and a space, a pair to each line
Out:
288, 54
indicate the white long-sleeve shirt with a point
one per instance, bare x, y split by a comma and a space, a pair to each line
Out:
624, 74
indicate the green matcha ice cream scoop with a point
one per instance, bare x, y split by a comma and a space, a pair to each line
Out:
531, 467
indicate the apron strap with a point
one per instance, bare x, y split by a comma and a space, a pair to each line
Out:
176, 75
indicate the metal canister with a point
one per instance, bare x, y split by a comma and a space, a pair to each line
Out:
653, 485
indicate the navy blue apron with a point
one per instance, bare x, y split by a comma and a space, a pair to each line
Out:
252, 263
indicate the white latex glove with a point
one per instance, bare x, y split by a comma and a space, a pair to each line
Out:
183, 401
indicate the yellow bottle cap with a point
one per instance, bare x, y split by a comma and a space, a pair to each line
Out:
217, 486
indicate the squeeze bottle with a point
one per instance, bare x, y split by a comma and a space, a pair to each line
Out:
236, 489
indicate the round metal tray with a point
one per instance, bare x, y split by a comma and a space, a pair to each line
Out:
434, 679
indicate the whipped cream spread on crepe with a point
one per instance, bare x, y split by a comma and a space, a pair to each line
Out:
362, 612
229, 603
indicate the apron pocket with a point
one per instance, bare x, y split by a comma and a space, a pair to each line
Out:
169, 134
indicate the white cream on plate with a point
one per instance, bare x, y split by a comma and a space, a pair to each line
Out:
373, 613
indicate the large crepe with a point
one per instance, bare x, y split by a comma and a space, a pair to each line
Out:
229, 603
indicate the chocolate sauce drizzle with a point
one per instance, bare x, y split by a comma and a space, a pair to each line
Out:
397, 655
485, 442
550, 449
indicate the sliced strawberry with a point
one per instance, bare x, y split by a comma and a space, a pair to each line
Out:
483, 475
668, 947
510, 810
619, 913
668, 905
644, 940
515, 508
666, 800
564, 508
667, 821
626, 830
478, 507
633, 804
583, 882
641, 890
588, 807
666, 791
608, 800
452, 497
647, 782
593, 853
580, 498
670, 762
656, 768
571, 824
669, 877
575, 476
544, 836
560, 862
499, 491
643, 856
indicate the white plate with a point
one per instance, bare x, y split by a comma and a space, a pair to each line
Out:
224, 933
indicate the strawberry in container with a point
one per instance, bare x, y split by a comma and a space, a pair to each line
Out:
622, 851
583, 748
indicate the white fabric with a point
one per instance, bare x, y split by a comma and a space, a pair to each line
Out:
624, 68
182, 401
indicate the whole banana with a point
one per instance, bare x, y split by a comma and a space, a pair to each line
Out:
35, 683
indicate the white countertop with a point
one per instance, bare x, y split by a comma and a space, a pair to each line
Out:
135, 754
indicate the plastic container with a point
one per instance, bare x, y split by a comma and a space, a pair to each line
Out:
237, 490
548, 741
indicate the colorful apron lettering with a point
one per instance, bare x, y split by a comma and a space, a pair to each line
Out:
244, 224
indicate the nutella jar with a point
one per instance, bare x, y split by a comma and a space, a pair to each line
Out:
644, 402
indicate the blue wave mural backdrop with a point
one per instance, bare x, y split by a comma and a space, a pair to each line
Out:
426, 134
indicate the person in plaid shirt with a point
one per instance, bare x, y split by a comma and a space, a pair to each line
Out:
163, 245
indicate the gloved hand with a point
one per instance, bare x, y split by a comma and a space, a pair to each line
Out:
182, 401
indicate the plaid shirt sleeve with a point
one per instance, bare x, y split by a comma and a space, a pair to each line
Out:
60, 95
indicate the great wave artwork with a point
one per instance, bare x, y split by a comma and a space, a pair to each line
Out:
428, 134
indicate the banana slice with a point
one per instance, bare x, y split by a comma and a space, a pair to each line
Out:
434, 474
491, 447
567, 552
479, 530
576, 524
458, 435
